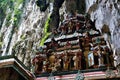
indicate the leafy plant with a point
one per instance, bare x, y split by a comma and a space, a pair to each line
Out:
17, 11
17, 16
8, 18
46, 31
44, 38
14, 6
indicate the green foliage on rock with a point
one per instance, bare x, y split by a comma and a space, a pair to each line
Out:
1, 37
17, 11
23, 37
8, 18
14, 7
46, 27
1, 43
44, 38
4, 3
46, 32
17, 16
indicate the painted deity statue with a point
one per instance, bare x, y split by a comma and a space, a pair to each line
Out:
66, 61
100, 59
76, 59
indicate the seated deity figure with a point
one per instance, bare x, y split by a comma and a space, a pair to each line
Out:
52, 61
67, 45
53, 67
53, 43
88, 25
52, 57
38, 62
63, 29
70, 26
54, 32
87, 37
78, 26
57, 64
34, 62
44, 69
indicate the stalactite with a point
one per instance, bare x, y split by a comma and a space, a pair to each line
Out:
55, 17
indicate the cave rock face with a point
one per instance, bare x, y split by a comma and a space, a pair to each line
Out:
106, 12
23, 38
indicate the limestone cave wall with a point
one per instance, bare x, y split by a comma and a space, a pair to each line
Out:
106, 12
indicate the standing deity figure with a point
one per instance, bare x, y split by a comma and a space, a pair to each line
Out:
76, 59
79, 54
100, 59
66, 61
115, 57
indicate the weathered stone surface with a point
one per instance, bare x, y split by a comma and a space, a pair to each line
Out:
106, 12
55, 17
22, 40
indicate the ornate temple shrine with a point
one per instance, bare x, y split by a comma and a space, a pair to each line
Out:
76, 45
59, 40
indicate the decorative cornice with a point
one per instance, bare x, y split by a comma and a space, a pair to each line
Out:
13, 62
